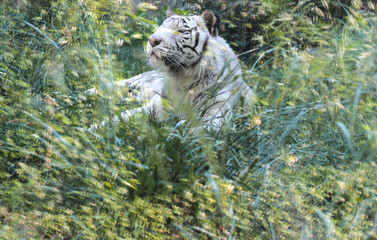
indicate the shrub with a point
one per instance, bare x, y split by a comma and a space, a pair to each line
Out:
300, 165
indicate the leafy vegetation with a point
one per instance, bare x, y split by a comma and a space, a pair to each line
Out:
300, 165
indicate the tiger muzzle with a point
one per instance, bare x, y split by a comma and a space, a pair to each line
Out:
154, 40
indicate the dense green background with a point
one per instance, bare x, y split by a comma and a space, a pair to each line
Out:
300, 165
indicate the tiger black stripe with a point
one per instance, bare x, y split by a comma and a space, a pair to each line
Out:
178, 47
205, 45
198, 97
193, 49
195, 45
196, 39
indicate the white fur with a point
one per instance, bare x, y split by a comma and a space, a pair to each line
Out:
215, 70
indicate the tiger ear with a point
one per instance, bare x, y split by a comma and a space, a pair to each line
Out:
169, 13
210, 20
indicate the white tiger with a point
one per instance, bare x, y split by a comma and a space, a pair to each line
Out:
193, 64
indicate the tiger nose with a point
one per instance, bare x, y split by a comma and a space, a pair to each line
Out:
154, 40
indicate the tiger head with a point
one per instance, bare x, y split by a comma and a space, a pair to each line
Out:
181, 40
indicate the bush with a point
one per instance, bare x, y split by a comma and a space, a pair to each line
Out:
301, 165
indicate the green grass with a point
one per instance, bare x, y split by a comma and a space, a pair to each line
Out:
300, 165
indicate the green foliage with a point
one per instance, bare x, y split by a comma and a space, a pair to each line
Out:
300, 165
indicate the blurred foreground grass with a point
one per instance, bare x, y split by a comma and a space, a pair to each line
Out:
302, 164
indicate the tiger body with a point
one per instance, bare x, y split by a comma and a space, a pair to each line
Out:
192, 64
